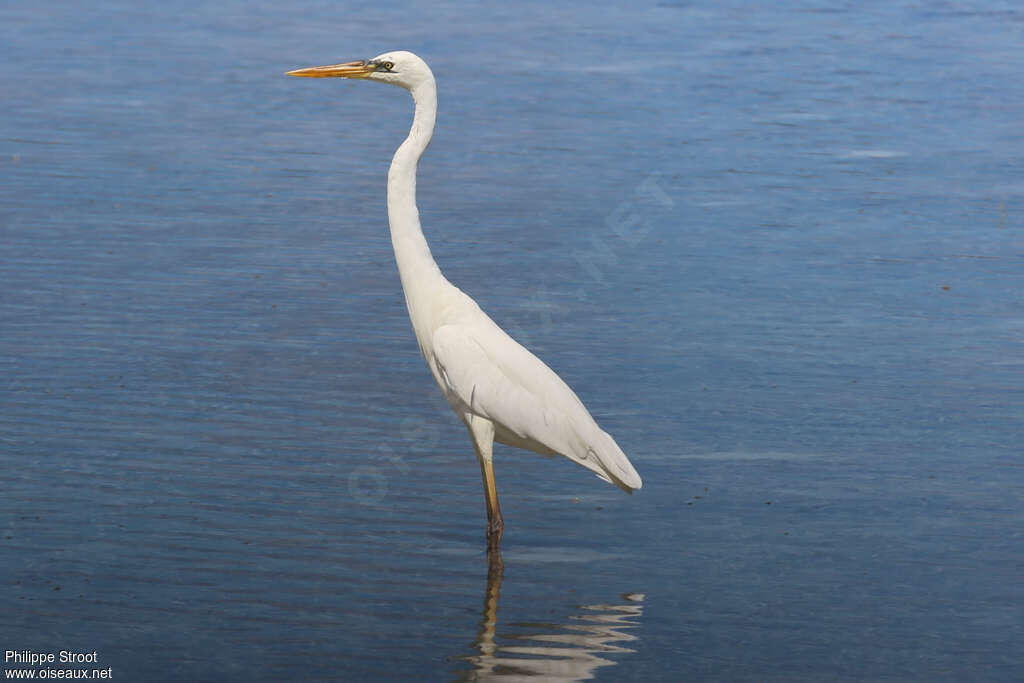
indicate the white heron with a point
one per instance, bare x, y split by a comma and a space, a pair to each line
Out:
500, 390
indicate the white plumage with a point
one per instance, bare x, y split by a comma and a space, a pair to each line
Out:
500, 390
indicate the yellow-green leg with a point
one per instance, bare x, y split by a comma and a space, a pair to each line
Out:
482, 431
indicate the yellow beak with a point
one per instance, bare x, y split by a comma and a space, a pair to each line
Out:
360, 69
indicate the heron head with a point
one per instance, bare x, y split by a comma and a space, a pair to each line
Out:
399, 68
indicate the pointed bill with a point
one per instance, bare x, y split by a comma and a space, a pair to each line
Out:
360, 69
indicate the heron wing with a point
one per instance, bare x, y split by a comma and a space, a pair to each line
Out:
499, 379
490, 381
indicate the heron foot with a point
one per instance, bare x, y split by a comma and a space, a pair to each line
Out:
495, 565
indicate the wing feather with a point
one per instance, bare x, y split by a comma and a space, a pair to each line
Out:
495, 377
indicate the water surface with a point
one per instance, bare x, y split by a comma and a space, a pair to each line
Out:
777, 251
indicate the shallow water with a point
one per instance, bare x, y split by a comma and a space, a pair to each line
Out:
777, 252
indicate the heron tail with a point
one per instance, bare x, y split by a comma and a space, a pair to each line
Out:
612, 465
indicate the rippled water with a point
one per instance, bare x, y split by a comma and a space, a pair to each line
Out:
777, 251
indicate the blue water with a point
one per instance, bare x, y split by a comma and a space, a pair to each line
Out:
777, 250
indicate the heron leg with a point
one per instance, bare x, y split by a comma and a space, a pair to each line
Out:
495, 524
482, 431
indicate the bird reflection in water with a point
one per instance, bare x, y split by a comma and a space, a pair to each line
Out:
550, 652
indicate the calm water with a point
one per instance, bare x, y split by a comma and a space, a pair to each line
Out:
777, 251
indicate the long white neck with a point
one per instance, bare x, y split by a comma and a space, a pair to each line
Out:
420, 274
